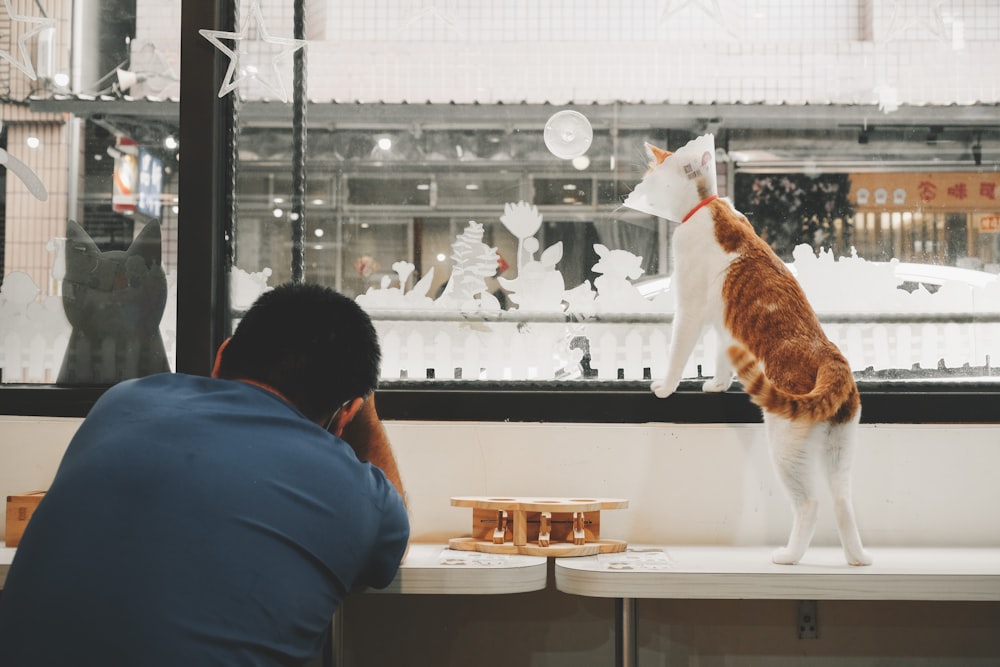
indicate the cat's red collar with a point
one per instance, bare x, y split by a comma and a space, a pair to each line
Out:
703, 202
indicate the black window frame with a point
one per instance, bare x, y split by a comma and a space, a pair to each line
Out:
207, 209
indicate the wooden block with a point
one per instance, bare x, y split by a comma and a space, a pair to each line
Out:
560, 525
537, 526
19, 510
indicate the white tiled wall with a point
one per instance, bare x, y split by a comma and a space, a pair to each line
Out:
683, 51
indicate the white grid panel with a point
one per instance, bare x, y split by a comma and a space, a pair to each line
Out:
681, 51
701, 51
591, 20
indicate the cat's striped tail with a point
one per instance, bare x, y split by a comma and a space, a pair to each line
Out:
834, 395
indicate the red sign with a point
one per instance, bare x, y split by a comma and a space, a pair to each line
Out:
937, 191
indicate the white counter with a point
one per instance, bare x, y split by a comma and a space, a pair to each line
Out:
6, 558
437, 570
727, 572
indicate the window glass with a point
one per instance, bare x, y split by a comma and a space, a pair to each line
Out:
484, 151
88, 195
465, 165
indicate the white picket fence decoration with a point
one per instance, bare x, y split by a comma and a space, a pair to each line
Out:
517, 350
471, 348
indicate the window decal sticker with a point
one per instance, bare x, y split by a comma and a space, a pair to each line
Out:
253, 39
41, 23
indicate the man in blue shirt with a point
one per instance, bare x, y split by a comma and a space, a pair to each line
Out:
217, 521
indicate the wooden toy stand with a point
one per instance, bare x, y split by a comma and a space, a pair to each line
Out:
537, 526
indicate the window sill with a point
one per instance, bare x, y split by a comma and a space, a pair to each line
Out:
589, 401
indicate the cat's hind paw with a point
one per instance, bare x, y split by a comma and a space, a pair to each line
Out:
662, 388
717, 384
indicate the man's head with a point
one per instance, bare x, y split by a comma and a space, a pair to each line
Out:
315, 346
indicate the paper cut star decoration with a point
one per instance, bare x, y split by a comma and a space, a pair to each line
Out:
710, 7
928, 17
430, 10
41, 24
261, 46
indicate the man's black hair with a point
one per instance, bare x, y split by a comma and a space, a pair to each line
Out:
314, 345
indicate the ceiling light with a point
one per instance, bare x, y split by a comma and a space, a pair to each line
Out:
471, 186
385, 143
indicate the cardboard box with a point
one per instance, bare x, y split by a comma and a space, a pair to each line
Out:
19, 511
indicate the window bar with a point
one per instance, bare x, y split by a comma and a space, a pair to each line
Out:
299, 147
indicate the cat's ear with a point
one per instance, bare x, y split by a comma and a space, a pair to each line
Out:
147, 245
656, 155
78, 239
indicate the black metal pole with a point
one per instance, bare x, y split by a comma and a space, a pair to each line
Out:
299, 148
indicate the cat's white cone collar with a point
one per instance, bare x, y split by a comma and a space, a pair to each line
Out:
678, 184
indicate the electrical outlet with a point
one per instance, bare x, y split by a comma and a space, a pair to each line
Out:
808, 620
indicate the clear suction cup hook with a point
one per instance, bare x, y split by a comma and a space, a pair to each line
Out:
568, 134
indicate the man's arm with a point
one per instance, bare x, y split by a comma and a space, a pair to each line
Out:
367, 436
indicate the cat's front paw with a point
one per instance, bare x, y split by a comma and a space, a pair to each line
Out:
663, 388
717, 384
785, 556
859, 559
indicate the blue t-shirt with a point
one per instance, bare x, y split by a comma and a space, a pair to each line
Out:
196, 521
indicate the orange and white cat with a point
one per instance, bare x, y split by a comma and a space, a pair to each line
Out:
727, 277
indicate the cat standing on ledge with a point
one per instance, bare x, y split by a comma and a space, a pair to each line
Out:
727, 277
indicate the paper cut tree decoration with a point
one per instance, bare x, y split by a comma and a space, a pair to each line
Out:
472, 262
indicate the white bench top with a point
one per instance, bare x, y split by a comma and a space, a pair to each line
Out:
726, 572
6, 558
718, 572
436, 569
